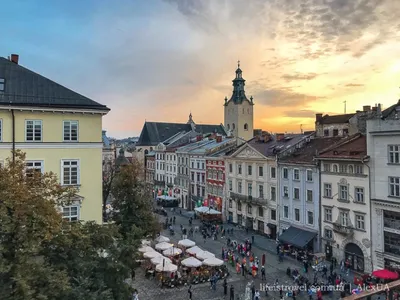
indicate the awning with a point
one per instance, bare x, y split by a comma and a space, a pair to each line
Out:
297, 237
271, 226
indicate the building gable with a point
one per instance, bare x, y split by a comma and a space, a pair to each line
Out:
247, 152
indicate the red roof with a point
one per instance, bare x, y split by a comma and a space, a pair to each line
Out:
353, 147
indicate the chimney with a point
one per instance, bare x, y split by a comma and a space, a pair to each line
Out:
199, 138
280, 136
318, 117
218, 138
15, 58
379, 110
374, 108
366, 108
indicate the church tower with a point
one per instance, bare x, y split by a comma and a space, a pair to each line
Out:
238, 110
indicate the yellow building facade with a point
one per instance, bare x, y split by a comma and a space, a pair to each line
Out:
62, 134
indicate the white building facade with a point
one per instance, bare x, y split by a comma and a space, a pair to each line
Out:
345, 205
384, 150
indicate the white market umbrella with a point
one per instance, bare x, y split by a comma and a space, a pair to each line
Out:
194, 250
151, 254
162, 238
191, 262
186, 243
145, 249
213, 212
202, 209
146, 243
160, 260
213, 262
172, 251
163, 246
204, 255
167, 267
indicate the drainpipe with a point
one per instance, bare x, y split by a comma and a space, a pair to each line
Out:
278, 200
370, 208
13, 135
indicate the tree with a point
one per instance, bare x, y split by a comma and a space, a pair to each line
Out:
109, 172
28, 218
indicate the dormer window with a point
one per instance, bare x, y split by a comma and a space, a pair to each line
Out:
2, 84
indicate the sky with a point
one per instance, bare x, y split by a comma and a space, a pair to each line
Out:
159, 60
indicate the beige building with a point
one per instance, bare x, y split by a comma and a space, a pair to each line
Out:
238, 110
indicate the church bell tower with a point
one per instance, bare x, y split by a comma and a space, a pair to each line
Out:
238, 110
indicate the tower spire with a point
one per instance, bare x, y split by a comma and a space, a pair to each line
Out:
238, 64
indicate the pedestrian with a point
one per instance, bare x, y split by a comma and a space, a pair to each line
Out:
243, 269
262, 273
225, 285
253, 291
257, 295
190, 292
231, 293
133, 274
331, 268
280, 293
135, 295
252, 239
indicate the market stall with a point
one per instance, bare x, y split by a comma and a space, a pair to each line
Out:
145, 249
204, 255
161, 239
207, 214
151, 254
213, 262
163, 246
194, 250
186, 243
191, 262
385, 274
166, 267
173, 251
160, 260
146, 243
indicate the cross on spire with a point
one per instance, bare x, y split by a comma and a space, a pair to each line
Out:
238, 63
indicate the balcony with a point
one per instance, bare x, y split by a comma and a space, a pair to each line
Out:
159, 183
248, 199
344, 230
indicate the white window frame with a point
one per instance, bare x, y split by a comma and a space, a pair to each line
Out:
394, 186
344, 218
34, 123
34, 165
328, 212
312, 195
273, 173
78, 177
328, 187
358, 169
70, 216
285, 173
239, 169
249, 170
343, 188
260, 174
359, 195
394, 154
308, 217
294, 212
326, 235
309, 171
286, 212
358, 220
272, 188
296, 197
285, 191
296, 172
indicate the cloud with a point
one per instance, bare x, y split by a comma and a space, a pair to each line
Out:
354, 85
283, 97
291, 77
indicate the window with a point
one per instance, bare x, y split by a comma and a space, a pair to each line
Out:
327, 190
328, 214
2, 84
286, 212
273, 172
343, 168
239, 187
285, 173
296, 174
273, 193
32, 167
359, 194
192, 176
33, 130
260, 171
249, 170
394, 186
360, 221
249, 209
309, 196
335, 132
260, 212
358, 169
239, 206
310, 218
70, 213
327, 167
198, 165
285, 191
344, 218
328, 234
335, 168
250, 189
309, 175
297, 215
70, 131
326, 132
273, 214
261, 191
230, 203
230, 168
230, 185
343, 192
394, 154
70, 172
351, 169
239, 169
233, 126
296, 193
246, 127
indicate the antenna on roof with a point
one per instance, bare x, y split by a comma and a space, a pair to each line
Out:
345, 102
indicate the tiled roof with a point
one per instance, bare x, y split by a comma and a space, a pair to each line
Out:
154, 133
306, 154
273, 147
388, 111
26, 88
337, 119
353, 147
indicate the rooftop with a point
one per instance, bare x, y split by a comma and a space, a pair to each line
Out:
353, 147
212, 145
337, 119
24, 87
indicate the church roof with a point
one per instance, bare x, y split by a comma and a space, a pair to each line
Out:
238, 94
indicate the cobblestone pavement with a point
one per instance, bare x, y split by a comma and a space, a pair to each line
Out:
149, 289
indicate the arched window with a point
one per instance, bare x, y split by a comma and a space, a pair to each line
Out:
335, 168
228, 127
146, 152
351, 169
233, 126
246, 127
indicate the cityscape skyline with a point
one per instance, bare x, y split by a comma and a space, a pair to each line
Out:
297, 59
